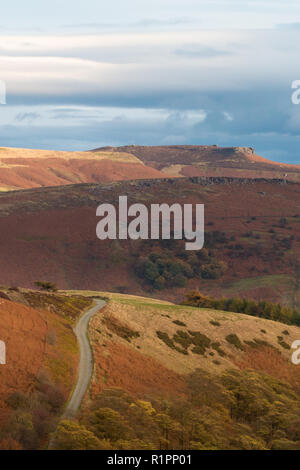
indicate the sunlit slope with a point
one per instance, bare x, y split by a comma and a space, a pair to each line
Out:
28, 168
142, 344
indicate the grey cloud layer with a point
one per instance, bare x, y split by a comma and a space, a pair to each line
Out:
240, 80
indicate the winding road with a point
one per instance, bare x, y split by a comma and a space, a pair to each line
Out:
85, 370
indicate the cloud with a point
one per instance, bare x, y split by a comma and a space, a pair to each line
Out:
146, 63
289, 26
83, 91
29, 117
196, 50
151, 128
138, 15
148, 23
81, 64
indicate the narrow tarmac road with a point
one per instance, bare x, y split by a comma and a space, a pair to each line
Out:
85, 370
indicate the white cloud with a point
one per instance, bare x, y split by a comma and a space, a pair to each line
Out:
128, 63
151, 74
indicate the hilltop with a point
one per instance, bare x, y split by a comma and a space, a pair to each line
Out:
208, 160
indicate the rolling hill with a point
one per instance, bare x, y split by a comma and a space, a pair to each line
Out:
174, 377
137, 331
251, 248
165, 376
208, 160
26, 168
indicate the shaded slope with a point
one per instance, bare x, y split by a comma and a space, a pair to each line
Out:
52, 230
41, 368
24, 330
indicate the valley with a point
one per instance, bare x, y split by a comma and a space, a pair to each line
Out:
188, 343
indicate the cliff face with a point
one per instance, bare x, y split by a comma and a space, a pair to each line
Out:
244, 149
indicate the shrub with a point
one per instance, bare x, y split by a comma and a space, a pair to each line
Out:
179, 323
17, 400
169, 269
48, 286
261, 309
72, 436
235, 341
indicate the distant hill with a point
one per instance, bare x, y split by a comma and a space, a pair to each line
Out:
208, 160
27, 168
252, 226
30, 168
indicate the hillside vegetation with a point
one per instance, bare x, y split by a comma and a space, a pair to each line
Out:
260, 309
175, 377
41, 364
251, 249
165, 376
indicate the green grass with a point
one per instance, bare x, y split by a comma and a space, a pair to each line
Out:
254, 282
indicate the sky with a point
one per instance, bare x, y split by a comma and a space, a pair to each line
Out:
81, 75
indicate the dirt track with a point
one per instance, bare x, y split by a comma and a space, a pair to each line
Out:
86, 359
